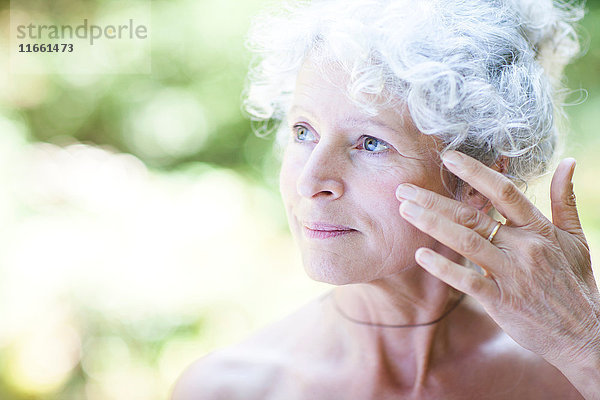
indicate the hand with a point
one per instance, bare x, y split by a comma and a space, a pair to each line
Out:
538, 286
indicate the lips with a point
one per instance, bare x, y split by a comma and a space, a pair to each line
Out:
320, 230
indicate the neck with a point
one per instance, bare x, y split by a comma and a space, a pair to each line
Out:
412, 297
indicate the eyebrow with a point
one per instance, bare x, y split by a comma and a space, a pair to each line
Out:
350, 121
370, 122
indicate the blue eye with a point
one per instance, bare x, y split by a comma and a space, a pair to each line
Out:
373, 145
303, 134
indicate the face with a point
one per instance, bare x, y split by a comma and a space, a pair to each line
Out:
338, 178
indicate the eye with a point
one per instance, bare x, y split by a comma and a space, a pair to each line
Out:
303, 134
373, 145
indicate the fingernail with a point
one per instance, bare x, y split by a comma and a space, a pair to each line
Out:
411, 210
452, 158
406, 192
423, 256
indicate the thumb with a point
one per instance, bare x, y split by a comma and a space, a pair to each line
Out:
562, 198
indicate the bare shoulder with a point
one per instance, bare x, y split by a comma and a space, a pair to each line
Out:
227, 375
526, 373
260, 367
511, 371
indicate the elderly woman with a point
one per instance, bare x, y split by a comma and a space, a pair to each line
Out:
406, 126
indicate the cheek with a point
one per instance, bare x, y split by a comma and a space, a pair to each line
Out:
381, 205
375, 189
377, 197
291, 166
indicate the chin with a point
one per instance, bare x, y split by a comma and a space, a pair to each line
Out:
343, 272
334, 273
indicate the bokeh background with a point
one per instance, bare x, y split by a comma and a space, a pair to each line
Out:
140, 221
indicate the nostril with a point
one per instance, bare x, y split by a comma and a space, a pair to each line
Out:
327, 189
326, 193
319, 178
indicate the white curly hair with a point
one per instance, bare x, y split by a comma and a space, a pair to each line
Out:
483, 76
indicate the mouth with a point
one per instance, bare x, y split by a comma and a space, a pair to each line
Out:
318, 230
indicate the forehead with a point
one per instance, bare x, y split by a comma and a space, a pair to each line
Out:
323, 97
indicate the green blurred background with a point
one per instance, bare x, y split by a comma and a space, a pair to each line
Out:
141, 222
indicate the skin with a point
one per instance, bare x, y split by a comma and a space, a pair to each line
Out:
515, 341
540, 287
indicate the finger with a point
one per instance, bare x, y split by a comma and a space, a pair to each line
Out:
456, 211
460, 239
461, 278
504, 195
562, 198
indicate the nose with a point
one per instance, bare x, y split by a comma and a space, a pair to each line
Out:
321, 175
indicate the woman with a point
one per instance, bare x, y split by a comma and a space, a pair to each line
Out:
405, 124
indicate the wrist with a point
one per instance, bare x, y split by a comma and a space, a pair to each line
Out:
583, 371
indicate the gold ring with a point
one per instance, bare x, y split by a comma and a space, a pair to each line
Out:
494, 231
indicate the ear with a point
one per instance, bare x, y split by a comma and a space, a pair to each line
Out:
474, 198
